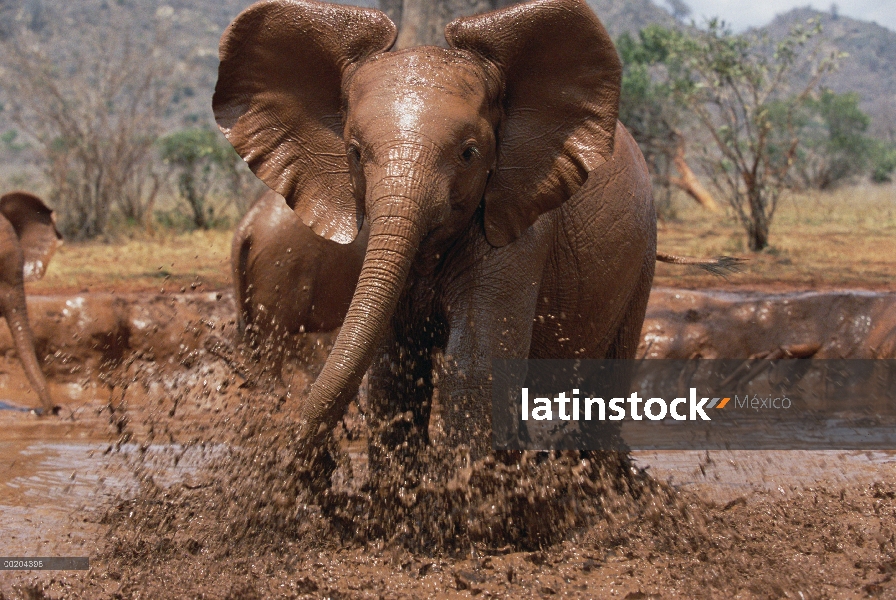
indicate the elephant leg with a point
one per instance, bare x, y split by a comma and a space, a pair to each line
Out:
492, 319
16, 313
466, 382
628, 335
603, 436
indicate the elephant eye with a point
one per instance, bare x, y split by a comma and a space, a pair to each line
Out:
470, 152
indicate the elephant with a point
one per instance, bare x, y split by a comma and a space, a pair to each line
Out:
28, 239
275, 254
510, 214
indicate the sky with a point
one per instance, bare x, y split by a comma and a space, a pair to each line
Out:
741, 14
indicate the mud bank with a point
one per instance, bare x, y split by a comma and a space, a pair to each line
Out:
177, 477
85, 333
825, 324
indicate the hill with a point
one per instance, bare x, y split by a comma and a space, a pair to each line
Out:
195, 26
630, 16
870, 68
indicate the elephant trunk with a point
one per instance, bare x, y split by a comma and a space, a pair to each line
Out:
396, 230
16, 314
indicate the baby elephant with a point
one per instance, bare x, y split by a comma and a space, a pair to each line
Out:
288, 279
28, 239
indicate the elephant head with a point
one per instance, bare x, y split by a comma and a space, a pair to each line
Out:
28, 238
424, 143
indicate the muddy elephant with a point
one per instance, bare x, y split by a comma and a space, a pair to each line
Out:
28, 239
510, 214
288, 280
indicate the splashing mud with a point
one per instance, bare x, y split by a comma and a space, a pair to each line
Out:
185, 482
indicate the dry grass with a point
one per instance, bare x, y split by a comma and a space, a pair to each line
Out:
840, 239
845, 238
165, 261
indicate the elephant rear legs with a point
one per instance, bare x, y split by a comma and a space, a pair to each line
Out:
12, 305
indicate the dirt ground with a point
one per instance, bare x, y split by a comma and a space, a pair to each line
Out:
178, 478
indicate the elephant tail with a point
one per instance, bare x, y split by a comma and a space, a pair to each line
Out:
721, 266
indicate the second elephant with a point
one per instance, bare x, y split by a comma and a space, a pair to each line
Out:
28, 239
288, 280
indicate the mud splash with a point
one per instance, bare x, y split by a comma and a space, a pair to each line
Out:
185, 481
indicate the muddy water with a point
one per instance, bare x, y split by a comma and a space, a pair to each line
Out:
44, 488
173, 475
56, 481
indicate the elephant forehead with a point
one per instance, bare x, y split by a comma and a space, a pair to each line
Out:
413, 82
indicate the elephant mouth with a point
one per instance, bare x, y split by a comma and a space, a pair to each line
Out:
432, 253
439, 244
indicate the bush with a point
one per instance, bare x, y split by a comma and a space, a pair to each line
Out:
202, 161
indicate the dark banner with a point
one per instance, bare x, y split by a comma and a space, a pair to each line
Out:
44, 563
694, 404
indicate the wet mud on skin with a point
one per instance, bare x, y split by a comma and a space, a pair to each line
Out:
179, 480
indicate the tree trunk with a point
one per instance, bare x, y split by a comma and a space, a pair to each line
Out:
690, 184
422, 22
758, 237
759, 220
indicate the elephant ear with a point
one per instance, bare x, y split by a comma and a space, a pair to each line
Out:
278, 100
35, 226
561, 101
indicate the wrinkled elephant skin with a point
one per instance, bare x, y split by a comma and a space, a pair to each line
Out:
510, 215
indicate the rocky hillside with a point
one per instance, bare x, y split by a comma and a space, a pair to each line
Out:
870, 68
630, 15
196, 25
192, 31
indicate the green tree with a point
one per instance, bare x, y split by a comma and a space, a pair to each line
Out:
883, 161
200, 158
646, 106
740, 89
648, 109
833, 140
